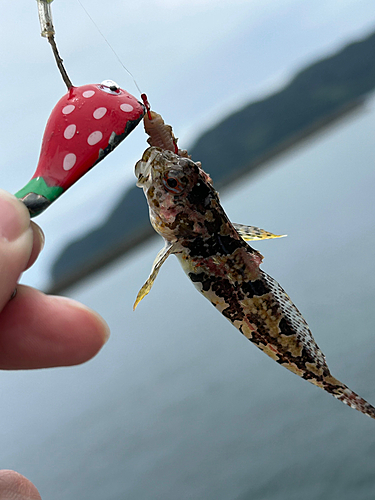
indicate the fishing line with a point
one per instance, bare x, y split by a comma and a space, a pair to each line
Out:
110, 46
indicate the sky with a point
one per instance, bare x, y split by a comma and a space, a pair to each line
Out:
197, 60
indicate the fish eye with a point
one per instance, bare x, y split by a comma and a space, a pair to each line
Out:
173, 183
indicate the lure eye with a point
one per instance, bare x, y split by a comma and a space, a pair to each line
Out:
173, 183
110, 87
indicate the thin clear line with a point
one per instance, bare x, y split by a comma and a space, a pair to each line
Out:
110, 46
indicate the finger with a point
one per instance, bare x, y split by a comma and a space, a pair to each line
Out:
14, 486
40, 331
38, 244
16, 241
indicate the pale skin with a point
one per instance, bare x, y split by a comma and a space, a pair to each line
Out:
36, 330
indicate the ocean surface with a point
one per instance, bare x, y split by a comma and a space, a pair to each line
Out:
178, 405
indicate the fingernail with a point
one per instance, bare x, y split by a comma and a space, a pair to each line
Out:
105, 331
42, 238
14, 217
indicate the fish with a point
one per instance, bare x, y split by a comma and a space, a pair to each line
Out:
215, 254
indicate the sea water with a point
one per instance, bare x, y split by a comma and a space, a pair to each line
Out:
178, 405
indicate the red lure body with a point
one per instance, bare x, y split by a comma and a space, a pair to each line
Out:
85, 125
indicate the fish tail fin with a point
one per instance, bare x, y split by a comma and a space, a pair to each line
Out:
347, 396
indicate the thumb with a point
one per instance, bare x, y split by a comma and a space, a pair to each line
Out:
16, 243
13, 486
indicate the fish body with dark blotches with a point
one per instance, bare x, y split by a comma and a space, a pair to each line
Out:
185, 210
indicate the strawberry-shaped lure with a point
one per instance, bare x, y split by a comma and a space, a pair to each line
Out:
86, 124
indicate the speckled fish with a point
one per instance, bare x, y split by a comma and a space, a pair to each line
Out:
185, 210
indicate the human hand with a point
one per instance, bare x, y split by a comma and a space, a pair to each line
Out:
13, 486
36, 330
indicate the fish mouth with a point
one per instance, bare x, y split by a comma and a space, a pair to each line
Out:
143, 168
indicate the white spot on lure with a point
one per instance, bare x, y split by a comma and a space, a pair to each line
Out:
185, 210
94, 138
88, 93
70, 131
99, 113
68, 109
126, 108
69, 161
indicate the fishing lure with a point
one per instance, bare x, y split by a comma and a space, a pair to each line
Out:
185, 210
84, 127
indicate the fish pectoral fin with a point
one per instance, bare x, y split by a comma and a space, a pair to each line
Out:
251, 233
158, 262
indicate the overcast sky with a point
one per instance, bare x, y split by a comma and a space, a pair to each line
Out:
196, 59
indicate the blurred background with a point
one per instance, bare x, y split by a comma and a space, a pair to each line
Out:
179, 405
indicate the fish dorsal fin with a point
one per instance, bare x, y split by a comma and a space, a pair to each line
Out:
158, 262
251, 233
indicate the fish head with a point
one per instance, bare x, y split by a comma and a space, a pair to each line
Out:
181, 198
